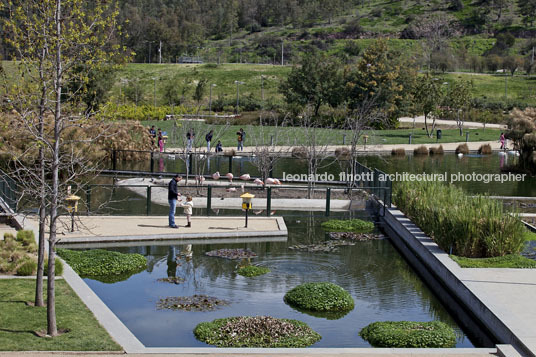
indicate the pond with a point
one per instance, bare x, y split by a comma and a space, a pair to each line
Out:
450, 163
380, 281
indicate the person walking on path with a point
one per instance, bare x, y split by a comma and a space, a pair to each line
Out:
190, 136
502, 139
208, 139
173, 196
241, 137
160, 140
188, 210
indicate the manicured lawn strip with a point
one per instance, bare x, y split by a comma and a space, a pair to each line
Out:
508, 261
326, 136
18, 321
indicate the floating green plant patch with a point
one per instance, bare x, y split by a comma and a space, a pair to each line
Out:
237, 253
258, 331
171, 280
191, 303
349, 225
353, 236
408, 334
319, 297
324, 247
252, 270
104, 265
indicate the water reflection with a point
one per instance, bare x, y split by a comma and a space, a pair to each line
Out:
382, 284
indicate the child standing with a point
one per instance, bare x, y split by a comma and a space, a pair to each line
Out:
188, 209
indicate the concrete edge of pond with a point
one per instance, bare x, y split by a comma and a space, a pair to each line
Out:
413, 243
132, 345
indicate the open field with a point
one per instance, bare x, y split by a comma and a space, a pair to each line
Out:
19, 321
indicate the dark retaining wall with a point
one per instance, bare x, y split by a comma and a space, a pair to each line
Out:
440, 273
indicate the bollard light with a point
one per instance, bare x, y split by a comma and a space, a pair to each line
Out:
72, 207
246, 204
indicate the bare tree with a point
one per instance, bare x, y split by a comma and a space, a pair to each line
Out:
270, 142
312, 144
53, 39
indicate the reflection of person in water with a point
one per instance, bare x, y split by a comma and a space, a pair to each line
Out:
171, 263
161, 164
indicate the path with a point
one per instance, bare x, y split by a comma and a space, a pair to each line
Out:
467, 124
362, 149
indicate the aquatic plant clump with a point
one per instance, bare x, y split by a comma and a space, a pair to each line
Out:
252, 270
352, 236
474, 227
349, 225
257, 331
409, 334
191, 303
103, 263
232, 254
323, 296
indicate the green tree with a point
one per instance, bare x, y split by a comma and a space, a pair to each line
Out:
428, 96
52, 38
382, 77
457, 101
527, 9
316, 81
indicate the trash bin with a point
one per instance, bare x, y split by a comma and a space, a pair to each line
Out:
439, 133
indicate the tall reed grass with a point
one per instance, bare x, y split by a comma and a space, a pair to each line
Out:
473, 227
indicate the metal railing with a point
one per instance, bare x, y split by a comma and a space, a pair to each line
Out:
267, 191
8, 192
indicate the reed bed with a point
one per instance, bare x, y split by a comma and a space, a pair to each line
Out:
421, 150
438, 150
398, 152
473, 227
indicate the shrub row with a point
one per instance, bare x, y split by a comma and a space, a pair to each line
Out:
113, 111
470, 226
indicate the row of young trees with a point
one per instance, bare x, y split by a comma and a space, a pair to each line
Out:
59, 44
383, 79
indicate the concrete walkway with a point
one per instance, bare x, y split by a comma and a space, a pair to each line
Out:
442, 122
473, 146
105, 229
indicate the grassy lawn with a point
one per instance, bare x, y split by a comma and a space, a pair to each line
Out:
508, 261
19, 321
331, 136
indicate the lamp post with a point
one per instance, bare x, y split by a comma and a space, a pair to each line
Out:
237, 94
246, 204
72, 206
154, 91
210, 99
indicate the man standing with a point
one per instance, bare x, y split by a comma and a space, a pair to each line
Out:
173, 196
241, 137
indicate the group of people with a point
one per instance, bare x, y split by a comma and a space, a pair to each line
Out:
174, 199
157, 138
157, 134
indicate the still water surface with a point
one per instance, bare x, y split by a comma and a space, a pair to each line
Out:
382, 284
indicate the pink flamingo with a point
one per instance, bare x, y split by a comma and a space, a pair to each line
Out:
258, 182
229, 176
231, 189
245, 177
216, 175
270, 181
277, 182
200, 179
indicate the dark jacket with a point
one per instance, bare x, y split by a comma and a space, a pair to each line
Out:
173, 192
